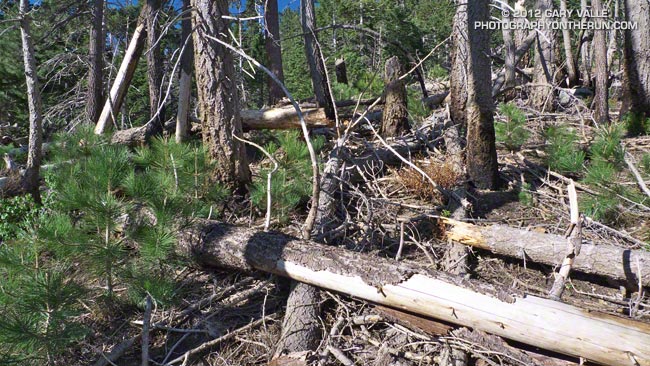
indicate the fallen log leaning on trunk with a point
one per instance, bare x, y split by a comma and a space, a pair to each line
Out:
603, 260
535, 321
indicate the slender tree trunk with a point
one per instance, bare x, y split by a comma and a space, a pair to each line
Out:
611, 47
568, 48
395, 116
543, 79
341, 71
637, 60
31, 177
312, 50
185, 83
585, 55
481, 150
154, 66
510, 57
218, 97
96, 72
273, 50
459, 59
521, 33
601, 97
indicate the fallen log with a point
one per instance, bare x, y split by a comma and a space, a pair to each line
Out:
542, 323
608, 261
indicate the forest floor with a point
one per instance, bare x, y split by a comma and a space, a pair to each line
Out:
382, 212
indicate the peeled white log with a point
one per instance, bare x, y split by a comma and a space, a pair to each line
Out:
547, 324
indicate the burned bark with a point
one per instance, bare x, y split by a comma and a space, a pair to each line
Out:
395, 115
185, 83
459, 59
273, 50
154, 66
482, 168
341, 71
218, 95
32, 168
637, 60
601, 97
96, 70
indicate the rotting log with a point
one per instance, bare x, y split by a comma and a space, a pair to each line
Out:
604, 260
122, 80
542, 323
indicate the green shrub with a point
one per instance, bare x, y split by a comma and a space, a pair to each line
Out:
563, 152
15, 215
512, 133
525, 195
645, 163
637, 124
603, 208
600, 173
607, 145
291, 184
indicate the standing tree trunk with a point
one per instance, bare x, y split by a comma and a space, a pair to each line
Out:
218, 97
394, 120
611, 47
96, 72
314, 59
520, 32
273, 50
31, 177
510, 56
341, 71
541, 96
585, 56
568, 49
481, 150
154, 67
637, 60
601, 97
459, 59
185, 83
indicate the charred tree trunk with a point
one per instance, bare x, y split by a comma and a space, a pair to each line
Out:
273, 50
314, 59
31, 177
341, 71
395, 116
185, 83
637, 60
572, 73
154, 67
601, 97
217, 91
459, 59
542, 93
481, 148
521, 33
96, 71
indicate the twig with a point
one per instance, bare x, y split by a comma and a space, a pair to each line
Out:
146, 322
574, 241
630, 164
267, 221
340, 356
207, 345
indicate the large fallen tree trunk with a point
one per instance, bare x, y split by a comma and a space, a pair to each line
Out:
603, 260
535, 321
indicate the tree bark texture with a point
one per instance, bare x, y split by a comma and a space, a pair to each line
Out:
459, 60
395, 115
585, 49
217, 91
185, 83
96, 71
122, 81
601, 96
572, 73
154, 66
637, 59
510, 54
481, 157
273, 50
31, 177
314, 59
599, 259
539, 322
542, 93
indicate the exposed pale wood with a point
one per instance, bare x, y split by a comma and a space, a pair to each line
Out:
538, 322
596, 258
122, 80
283, 118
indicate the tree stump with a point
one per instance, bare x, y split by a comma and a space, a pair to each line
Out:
395, 117
341, 71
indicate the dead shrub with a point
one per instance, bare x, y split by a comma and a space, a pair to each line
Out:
441, 173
